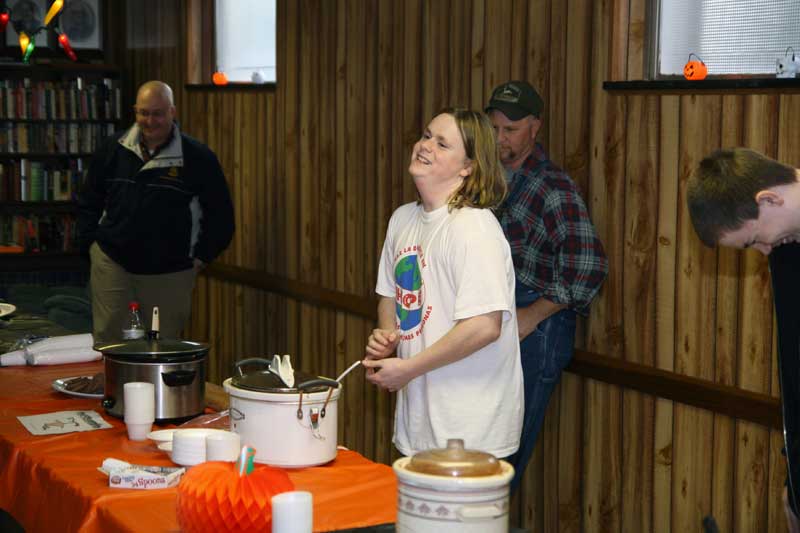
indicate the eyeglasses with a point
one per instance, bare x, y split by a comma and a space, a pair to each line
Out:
147, 113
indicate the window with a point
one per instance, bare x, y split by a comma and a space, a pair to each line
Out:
730, 36
245, 40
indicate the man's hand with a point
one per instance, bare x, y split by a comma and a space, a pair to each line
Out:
391, 374
526, 323
528, 318
382, 343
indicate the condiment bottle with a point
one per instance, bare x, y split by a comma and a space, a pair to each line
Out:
154, 326
133, 327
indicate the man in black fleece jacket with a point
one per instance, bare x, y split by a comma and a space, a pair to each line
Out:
155, 209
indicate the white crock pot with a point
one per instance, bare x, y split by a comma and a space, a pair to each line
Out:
291, 427
452, 490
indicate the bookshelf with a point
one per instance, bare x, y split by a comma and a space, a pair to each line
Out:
52, 119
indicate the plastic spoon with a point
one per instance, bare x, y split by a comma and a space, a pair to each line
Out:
351, 367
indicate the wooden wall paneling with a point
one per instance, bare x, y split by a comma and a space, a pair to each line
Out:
637, 28
354, 201
199, 52
727, 279
268, 226
554, 114
245, 164
369, 206
279, 323
436, 37
459, 45
602, 426
273, 327
639, 293
497, 41
325, 180
666, 257
478, 97
387, 189
224, 146
691, 494
413, 120
570, 482
519, 34
342, 169
396, 128
576, 93
755, 322
308, 200
537, 46
290, 91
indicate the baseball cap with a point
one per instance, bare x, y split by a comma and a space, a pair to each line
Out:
516, 99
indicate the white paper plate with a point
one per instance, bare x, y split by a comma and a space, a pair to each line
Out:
161, 435
61, 386
165, 435
6, 309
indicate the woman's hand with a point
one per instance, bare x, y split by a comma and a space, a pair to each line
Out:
391, 374
382, 343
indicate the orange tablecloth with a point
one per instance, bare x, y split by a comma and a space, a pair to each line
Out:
51, 483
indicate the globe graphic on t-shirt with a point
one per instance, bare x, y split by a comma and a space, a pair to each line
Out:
410, 295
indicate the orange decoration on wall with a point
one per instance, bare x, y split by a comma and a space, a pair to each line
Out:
219, 78
695, 70
213, 497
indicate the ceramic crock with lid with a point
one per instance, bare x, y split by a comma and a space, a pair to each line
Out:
289, 426
453, 489
176, 368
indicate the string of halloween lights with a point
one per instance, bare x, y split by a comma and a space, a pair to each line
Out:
27, 35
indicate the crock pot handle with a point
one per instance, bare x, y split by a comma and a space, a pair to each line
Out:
237, 365
317, 382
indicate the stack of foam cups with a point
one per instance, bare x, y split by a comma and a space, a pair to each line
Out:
139, 403
292, 512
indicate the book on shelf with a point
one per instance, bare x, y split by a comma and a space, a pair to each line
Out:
27, 180
38, 233
60, 100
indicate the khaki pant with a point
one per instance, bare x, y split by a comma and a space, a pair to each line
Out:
113, 288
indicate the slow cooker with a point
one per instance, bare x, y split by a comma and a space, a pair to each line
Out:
452, 490
289, 426
176, 368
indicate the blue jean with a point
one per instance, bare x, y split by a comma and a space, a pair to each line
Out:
545, 352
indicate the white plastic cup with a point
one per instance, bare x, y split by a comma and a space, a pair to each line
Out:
223, 446
139, 400
292, 512
138, 431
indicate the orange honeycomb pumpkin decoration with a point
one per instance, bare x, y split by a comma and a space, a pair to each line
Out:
695, 70
213, 497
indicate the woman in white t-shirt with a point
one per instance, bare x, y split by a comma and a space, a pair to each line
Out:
446, 283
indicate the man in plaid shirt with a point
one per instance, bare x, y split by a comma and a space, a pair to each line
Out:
558, 260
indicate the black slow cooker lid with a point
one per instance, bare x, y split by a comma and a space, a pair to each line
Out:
265, 381
155, 350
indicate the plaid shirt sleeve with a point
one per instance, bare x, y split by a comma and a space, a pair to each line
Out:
554, 244
580, 264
